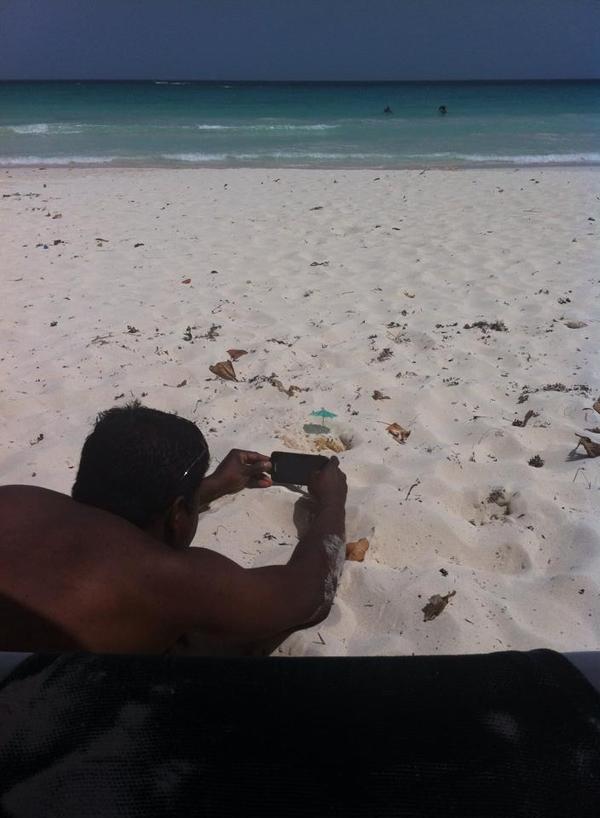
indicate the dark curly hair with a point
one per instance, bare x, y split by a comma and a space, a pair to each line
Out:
137, 461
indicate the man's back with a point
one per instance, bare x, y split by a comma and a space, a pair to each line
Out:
72, 576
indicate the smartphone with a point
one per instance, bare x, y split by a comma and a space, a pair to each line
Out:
287, 467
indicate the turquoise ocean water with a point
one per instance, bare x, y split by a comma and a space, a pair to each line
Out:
299, 124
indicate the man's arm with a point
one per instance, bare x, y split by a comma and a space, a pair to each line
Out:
203, 590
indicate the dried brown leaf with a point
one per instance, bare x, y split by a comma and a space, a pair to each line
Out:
186, 281
592, 449
234, 354
596, 406
225, 370
398, 432
356, 550
436, 605
377, 395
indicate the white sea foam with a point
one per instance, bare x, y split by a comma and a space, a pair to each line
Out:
306, 155
40, 127
536, 159
282, 127
56, 160
518, 159
45, 128
297, 156
196, 157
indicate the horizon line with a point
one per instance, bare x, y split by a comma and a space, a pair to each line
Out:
304, 81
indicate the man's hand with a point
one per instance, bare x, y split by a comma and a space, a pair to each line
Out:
328, 485
241, 470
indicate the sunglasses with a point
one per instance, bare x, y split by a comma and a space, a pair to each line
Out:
192, 464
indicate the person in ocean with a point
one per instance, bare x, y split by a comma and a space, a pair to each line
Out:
387, 110
109, 569
443, 110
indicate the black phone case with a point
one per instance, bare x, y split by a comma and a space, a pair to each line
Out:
288, 467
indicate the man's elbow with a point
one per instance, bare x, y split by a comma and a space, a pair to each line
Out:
323, 604
321, 615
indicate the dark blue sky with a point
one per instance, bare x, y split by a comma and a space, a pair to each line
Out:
299, 39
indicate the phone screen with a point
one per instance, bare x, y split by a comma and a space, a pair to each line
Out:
288, 467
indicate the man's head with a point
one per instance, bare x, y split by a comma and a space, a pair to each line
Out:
145, 466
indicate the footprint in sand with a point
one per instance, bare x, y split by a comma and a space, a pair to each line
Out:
510, 558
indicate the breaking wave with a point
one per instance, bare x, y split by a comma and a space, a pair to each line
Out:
44, 128
9, 161
517, 159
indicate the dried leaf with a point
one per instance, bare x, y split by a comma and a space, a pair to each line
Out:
436, 605
377, 395
187, 281
592, 449
356, 550
234, 354
409, 295
183, 383
225, 370
596, 406
575, 324
397, 432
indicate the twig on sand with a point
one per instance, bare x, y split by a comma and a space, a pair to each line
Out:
414, 485
589, 482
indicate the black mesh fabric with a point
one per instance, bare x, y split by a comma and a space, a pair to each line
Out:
505, 734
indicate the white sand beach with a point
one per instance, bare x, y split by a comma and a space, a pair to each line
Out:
340, 283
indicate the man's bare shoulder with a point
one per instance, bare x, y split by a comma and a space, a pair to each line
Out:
24, 507
38, 502
86, 539
47, 528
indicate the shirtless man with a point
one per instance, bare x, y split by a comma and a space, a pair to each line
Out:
109, 570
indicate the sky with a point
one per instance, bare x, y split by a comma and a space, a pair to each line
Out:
299, 39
